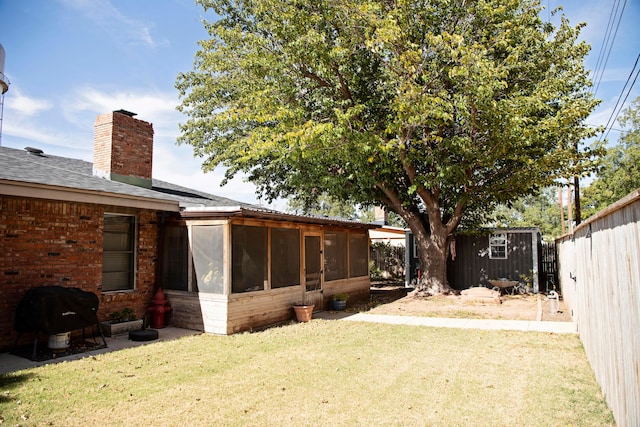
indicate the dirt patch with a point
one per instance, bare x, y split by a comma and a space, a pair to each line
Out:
391, 298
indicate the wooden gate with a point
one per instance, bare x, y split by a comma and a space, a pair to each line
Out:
548, 268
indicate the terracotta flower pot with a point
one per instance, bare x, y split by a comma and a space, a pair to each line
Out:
303, 312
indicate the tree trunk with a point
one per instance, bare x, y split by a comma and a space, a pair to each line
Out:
432, 247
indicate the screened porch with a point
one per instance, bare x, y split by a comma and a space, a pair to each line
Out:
225, 275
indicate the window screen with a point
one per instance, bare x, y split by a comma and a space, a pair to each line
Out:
207, 248
249, 258
335, 256
118, 255
285, 257
175, 258
498, 246
358, 255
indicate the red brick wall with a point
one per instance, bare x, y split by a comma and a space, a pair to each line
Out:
123, 145
49, 243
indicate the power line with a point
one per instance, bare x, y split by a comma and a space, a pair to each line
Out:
613, 129
616, 110
605, 50
607, 32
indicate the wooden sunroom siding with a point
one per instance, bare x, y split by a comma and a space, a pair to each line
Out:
219, 314
357, 287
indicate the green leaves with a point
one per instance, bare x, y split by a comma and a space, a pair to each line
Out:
619, 173
447, 104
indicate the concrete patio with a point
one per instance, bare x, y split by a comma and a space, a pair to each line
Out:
10, 362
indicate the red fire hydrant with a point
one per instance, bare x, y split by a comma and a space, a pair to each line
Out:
158, 309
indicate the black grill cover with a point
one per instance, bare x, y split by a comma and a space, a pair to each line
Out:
55, 310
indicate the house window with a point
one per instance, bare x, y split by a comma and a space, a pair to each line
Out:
498, 246
358, 255
118, 253
285, 257
249, 258
335, 256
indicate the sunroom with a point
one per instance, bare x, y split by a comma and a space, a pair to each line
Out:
231, 270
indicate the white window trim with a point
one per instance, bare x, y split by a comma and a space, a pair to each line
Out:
497, 240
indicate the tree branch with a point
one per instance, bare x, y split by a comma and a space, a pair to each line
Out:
322, 82
344, 88
392, 200
456, 217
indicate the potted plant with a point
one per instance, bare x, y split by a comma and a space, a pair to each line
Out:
339, 301
303, 311
121, 322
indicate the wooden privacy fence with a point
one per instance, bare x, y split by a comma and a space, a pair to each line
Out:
599, 272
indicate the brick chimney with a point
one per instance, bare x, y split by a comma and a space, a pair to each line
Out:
380, 216
123, 148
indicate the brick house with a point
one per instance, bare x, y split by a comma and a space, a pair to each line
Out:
108, 227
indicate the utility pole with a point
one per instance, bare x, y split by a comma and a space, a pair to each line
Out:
561, 207
569, 210
576, 183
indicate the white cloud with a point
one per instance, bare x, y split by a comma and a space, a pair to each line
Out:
156, 103
601, 116
155, 107
24, 105
126, 30
619, 74
28, 133
20, 113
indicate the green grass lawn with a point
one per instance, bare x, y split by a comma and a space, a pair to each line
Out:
319, 373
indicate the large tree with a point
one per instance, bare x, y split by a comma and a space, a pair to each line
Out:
620, 171
438, 110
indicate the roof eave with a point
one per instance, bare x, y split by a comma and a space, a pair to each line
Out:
69, 194
238, 211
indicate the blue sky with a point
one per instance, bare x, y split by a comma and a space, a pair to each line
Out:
71, 60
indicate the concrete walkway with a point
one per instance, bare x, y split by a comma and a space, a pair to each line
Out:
438, 322
11, 363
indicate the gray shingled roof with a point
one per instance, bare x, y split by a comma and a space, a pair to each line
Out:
24, 166
21, 165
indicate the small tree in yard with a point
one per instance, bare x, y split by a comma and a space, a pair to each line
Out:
437, 110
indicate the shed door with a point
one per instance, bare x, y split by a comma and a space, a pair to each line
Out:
313, 270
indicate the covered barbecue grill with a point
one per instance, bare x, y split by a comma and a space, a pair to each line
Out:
55, 310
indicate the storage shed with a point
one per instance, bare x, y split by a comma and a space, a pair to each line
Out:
500, 253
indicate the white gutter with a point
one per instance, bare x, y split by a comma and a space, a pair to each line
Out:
200, 209
68, 194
